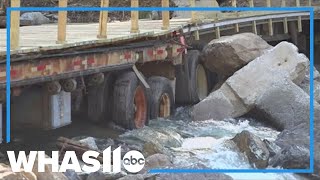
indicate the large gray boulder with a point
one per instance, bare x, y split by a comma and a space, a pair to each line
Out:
305, 85
254, 148
295, 145
228, 54
238, 95
35, 18
285, 105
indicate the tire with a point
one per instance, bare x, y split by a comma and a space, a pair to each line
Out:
160, 97
191, 87
99, 100
130, 107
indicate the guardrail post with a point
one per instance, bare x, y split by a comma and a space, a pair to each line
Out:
165, 15
15, 26
254, 23
194, 17
236, 26
62, 22
270, 23
103, 20
299, 18
285, 20
134, 17
309, 3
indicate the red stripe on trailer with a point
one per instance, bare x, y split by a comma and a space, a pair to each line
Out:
127, 55
77, 62
160, 51
41, 67
13, 73
150, 52
91, 60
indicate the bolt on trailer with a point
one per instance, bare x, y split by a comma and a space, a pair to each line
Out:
124, 72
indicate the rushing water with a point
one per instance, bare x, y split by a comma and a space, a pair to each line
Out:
208, 143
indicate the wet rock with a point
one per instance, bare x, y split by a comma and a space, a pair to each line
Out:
284, 105
90, 142
305, 85
7, 174
103, 144
156, 161
254, 148
292, 157
156, 136
273, 148
48, 174
193, 177
99, 175
228, 54
35, 18
133, 177
72, 175
239, 93
295, 143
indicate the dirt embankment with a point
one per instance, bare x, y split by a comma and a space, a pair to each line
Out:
94, 16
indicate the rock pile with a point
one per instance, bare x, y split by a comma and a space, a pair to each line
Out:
274, 88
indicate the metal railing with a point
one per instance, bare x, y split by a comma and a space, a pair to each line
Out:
195, 17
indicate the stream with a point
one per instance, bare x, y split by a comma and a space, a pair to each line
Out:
206, 144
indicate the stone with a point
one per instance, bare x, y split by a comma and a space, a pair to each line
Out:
90, 142
156, 161
158, 137
284, 105
253, 148
187, 176
99, 175
36, 18
295, 143
7, 174
48, 174
228, 54
72, 175
238, 95
133, 177
305, 85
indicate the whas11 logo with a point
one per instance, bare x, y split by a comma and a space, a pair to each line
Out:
132, 161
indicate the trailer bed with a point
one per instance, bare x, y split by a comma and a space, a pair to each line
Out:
43, 37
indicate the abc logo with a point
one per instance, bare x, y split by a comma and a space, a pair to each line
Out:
133, 161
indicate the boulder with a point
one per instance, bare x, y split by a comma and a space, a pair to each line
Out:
156, 136
295, 144
7, 174
228, 54
305, 85
238, 95
255, 149
35, 18
90, 142
156, 161
284, 105
48, 174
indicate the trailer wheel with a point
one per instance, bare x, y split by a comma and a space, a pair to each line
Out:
160, 96
130, 108
192, 82
198, 81
100, 100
